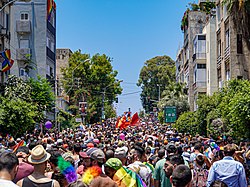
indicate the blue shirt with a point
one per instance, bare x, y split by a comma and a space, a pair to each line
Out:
228, 171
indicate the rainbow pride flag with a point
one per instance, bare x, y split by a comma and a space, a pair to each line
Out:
127, 178
50, 6
8, 62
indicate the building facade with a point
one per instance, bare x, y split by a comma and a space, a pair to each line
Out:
194, 24
233, 56
62, 61
4, 35
33, 39
219, 53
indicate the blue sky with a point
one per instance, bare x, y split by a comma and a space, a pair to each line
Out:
129, 31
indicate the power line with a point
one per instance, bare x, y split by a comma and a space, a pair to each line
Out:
130, 93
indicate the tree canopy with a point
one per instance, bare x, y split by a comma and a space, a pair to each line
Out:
155, 75
92, 80
22, 104
226, 112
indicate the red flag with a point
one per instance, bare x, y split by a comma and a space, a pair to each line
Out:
117, 122
135, 119
21, 143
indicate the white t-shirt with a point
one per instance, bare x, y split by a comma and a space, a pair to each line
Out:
5, 183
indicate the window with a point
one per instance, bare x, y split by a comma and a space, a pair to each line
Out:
227, 38
218, 14
227, 71
219, 48
220, 83
51, 72
22, 72
239, 44
24, 44
201, 66
24, 16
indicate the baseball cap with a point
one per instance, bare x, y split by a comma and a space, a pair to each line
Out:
114, 163
84, 155
96, 154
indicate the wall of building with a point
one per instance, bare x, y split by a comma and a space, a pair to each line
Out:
211, 60
196, 22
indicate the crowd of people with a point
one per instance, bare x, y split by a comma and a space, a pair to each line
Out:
148, 155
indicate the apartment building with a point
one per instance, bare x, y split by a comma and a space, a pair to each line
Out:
233, 56
4, 35
204, 61
62, 61
193, 25
33, 39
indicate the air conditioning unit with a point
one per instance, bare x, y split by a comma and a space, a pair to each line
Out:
3, 31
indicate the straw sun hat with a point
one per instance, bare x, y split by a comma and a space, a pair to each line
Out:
38, 155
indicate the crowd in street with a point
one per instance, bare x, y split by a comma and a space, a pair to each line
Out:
101, 155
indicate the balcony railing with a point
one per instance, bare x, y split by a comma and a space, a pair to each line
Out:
199, 56
218, 61
200, 84
227, 53
23, 26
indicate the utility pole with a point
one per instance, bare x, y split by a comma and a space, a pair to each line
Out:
159, 92
103, 100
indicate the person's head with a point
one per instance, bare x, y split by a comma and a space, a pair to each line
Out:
197, 146
22, 153
137, 153
11, 144
199, 160
85, 159
9, 163
53, 160
171, 149
77, 148
181, 177
111, 166
109, 154
39, 158
161, 153
97, 156
171, 162
121, 153
229, 150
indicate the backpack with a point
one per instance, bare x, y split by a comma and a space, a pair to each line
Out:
199, 177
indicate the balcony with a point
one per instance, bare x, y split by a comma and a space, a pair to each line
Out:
218, 61
22, 54
199, 56
51, 54
227, 54
23, 26
200, 86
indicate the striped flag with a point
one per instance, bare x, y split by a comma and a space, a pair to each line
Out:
7, 62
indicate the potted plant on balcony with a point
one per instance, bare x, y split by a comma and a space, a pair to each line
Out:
208, 6
184, 21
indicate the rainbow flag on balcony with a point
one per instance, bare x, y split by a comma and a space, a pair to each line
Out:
50, 6
7, 62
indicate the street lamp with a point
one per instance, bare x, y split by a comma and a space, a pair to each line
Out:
13, 1
103, 96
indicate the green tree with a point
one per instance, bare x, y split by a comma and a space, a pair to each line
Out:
16, 116
90, 81
157, 74
187, 123
42, 96
174, 96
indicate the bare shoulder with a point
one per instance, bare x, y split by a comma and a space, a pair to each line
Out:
20, 183
56, 183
